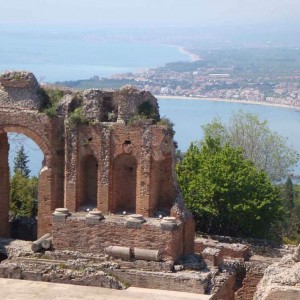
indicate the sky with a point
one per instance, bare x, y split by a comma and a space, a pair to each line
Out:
153, 13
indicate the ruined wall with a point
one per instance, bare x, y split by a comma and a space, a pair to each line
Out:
233, 250
4, 190
20, 89
76, 234
103, 150
47, 134
254, 273
281, 279
137, 149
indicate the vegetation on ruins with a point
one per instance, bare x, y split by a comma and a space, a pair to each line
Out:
23, 189
168, 124
267, 149
226, 192
52, 98
147, 110
77, 117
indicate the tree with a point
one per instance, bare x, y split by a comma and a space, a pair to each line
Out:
290, 226
268, 150
20, 163
288, 195
225, 191
23, 190
23, 195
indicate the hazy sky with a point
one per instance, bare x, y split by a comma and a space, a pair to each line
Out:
149, 12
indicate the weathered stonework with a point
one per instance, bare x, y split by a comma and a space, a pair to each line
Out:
20, 89
281, 280
103, 151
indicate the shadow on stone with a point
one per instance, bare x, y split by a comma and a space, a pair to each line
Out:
23, 228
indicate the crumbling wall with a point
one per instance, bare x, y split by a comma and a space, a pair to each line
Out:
79, 235
281, 280
20, 89
254, 273
72, 126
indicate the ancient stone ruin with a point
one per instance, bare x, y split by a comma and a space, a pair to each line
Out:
103, 152
109, 210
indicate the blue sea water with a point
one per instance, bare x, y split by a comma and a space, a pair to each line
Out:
56, 54
189, 115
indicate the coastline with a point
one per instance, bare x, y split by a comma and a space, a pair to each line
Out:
228, 101
182, 49
193, 57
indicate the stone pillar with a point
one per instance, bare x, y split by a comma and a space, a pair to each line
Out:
104, 172
4, 185
71, 169
143, 176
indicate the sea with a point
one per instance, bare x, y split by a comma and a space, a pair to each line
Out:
59, 54
62, 53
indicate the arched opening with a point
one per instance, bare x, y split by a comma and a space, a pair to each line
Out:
88, 183
124, 184
165, 189
25, 161
27, 193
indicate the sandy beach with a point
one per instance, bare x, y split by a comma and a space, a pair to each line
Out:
227, 100
193, 56
183, 50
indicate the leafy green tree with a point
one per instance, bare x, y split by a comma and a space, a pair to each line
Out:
20, 162
226, 192
23, 195
288, 195
267, 149
23, 189
290, 226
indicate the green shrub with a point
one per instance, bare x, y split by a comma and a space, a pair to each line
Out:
147, 110
52, 97
168, 124
77, 117
136, 120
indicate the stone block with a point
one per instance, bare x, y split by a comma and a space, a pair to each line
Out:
60, 215
168, 224
93, 217
135, 221
212, 257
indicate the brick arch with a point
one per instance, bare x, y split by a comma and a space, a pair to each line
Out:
88, 182
124, 183
43, 145
50, 188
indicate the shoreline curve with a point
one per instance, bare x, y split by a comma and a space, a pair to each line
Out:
249, 102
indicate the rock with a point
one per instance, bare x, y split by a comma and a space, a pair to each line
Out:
283, 277
296, 255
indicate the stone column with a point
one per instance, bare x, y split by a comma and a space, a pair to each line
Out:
71, 169
4, 185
